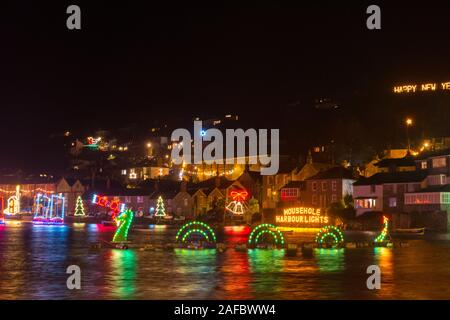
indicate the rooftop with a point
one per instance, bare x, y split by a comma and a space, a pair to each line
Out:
392, 177
334, 173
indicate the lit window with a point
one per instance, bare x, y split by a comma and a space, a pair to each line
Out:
423, 165
140, 199
333, 198
439, 162
124, 172
392, 202
289, 193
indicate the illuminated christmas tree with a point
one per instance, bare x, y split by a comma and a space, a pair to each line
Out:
160, 211
79, 209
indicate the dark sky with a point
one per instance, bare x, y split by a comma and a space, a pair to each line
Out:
137, 61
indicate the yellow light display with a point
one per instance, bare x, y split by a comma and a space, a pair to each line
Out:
412, 88
301, 216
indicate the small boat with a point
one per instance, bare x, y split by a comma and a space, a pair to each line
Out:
409, 232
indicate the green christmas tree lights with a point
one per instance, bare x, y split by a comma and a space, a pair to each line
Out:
160, 210
79, 208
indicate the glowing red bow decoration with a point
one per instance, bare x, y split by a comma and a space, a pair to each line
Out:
239, 195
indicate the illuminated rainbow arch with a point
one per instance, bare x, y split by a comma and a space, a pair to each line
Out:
328, 233
266, 228
195, 228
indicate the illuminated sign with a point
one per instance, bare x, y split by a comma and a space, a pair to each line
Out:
432, 86
301, 217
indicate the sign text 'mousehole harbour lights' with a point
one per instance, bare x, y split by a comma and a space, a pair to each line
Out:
301, 216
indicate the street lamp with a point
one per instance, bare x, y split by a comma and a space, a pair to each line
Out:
409, 123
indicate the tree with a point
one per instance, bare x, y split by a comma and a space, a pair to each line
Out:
160, 210
343, 209
79, 209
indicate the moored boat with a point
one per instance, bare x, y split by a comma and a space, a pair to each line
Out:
409, 232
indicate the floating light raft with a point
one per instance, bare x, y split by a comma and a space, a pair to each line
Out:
195, 228
330, 233
49, 210
259, 231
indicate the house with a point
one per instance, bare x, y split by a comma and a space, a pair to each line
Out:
71, 189
414, 198
199, 201
430, 205
207, 193
136, 199
29, 187
327, 187
272, 184
310, 169
406, 163
177, 201
384, 191
290, 193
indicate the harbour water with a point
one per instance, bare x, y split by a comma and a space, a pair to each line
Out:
33, 262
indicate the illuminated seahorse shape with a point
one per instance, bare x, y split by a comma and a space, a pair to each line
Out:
123, 221
382, 236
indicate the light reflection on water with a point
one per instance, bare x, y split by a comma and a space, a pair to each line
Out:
33, 262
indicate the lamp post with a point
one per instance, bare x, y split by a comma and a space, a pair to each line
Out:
409, 123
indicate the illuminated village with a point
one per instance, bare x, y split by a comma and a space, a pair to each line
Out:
328, 173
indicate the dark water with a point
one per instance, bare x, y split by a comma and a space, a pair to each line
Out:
33, 262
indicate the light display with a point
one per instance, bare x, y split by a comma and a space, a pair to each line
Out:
2, 218
160, 210
382, 236
301, 217
13, 203
195, 227
114, 205
79, 209
237, 206
93, 142
266, 228
123, 221
49, 210
328, 233
412, 88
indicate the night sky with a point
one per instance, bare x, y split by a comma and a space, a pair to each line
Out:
139, 62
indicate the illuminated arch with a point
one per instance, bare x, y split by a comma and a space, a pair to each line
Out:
266, 228
195, 227
330, 232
